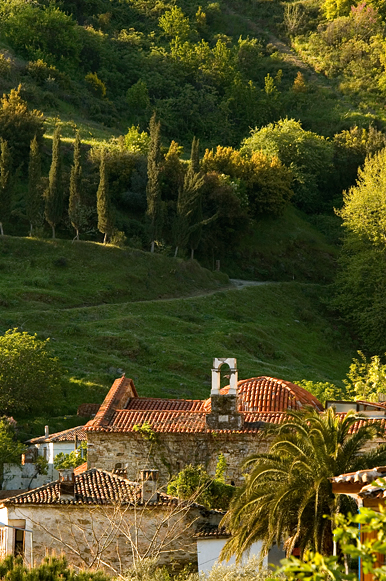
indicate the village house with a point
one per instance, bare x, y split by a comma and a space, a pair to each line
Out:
130, 432
101, 520
28, 474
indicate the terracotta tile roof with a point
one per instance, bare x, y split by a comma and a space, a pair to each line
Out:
212, 531
152, 403
91, 487
269, 394
261, 399
87, 410
177, 421
121, 392
80, 469
65, 436
361, 476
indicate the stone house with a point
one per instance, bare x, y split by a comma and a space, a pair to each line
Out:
100, 520
130, 432
27, 474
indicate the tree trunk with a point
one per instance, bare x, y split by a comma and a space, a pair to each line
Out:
53, 232
30, 229
77, 234
1, 229
176, 252
192, 254
152, 246
105, 239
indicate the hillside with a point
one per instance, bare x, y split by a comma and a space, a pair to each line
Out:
109, 310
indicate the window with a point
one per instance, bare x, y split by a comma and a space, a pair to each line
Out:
19, 543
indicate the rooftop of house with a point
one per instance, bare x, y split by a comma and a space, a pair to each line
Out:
95, 487
70, 435
368, 483
260, 400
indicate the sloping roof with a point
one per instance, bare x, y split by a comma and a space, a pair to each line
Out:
360, 476
261, 399
91, 487
65, 436
209, 531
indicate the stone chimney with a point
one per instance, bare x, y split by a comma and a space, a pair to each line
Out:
66, 484
224, 414
149, 481
46, 431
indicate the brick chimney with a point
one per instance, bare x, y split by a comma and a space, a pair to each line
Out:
66, 484
224, 413
149, 481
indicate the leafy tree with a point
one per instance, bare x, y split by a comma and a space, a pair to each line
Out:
76, 210
30, 377
174, 23
195, 482
366, 379
104, 209
43, 30
10, 448
324, 390
364, 209
73, 459
5, 184
308, 155
19, 125
137, 141
34, 210
287, 492
54, 193
153, 188
351, 147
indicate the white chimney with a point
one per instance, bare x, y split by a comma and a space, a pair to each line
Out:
149, 480
46, 431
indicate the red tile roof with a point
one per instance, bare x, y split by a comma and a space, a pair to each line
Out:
261, 399
65, 436
91, 487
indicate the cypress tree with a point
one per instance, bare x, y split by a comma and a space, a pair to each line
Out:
105, 214
189, 219
153, 188
5, 183
197, 215
75, 206
34, 192
54, 193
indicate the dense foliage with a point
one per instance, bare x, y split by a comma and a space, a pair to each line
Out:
30, 377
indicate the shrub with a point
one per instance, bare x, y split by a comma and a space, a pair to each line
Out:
96, 86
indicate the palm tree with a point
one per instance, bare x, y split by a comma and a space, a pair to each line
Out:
287, 493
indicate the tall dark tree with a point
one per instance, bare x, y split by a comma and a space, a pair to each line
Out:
153, 188
104, 209
34, 200
197, 214
5, 183
75, 206
188, 196
54, 193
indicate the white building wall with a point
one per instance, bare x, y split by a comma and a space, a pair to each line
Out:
208, 552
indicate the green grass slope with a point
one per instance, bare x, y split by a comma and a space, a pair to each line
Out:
38, 274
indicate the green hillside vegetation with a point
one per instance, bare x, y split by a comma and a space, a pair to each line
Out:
166, 346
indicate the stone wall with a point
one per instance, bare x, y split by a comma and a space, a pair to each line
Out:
98, 537
169, 453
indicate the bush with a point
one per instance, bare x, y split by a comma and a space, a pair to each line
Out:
30, 377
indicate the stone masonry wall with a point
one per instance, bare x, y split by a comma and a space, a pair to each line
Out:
171, 452
97, 537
